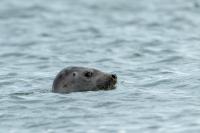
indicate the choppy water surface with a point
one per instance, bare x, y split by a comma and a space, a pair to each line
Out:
153, 46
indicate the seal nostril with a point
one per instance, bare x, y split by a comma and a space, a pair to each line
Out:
114, 76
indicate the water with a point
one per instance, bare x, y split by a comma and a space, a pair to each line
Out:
153, 46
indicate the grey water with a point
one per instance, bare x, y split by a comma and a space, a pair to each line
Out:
152, 45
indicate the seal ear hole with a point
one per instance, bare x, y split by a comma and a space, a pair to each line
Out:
60, 76
65, 85
74, 74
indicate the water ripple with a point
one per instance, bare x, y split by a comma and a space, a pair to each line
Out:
153, 47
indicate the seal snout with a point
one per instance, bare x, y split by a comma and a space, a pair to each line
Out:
114, 76
113, 80
107, 82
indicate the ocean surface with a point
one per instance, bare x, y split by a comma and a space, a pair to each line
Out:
152, 45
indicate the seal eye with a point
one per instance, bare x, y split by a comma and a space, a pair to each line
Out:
88, 74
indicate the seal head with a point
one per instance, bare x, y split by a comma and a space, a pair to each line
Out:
76, 79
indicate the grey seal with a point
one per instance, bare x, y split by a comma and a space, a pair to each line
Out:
78, 79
